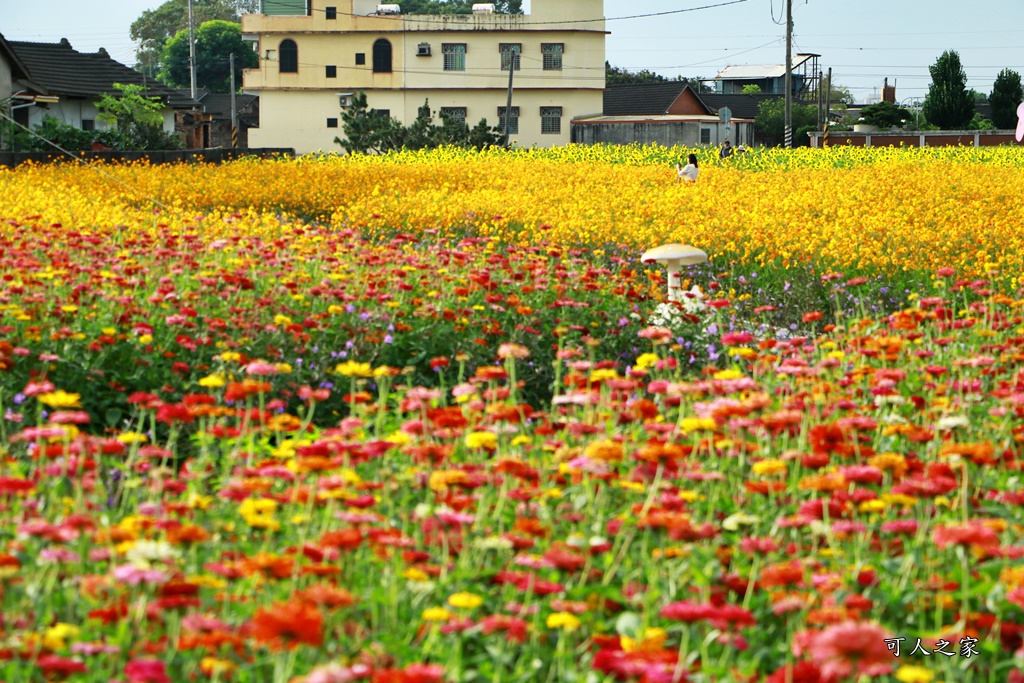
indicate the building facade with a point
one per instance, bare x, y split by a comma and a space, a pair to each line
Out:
316, 54
771, 78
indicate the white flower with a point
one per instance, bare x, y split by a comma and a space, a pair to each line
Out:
953, 421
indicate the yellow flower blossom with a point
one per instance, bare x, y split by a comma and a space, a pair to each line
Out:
60, 399
566, 621
465, 600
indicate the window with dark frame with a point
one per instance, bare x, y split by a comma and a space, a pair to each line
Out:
331, 71
513, 128
550, 120
88, 124
552, 54
360, 58
705, 136
386, 113
288, 53
382, 56
510, 53
332, 123
330, 13
457, 114
454, 56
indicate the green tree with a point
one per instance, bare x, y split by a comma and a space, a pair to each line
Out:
615, 75
138, 119
370, 132
752, 89
155, 27
839, 96
1007, 94
948, 105
770, 122
215, 42
885, 115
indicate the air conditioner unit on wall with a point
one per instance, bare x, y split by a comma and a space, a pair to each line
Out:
345, 99
423, 50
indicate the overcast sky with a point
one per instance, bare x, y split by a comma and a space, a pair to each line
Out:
863, 41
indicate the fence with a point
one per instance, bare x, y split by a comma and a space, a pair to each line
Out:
174, 156
916, 138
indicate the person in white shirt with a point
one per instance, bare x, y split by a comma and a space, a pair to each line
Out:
689, 172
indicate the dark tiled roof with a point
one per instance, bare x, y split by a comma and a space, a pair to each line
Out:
741, 106
17, 68
62, 70
630, 100
219, 104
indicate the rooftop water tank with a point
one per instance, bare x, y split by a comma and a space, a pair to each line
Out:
389, 9
483, 8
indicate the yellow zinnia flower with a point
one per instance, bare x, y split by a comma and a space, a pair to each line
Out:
465, 600
61, 399
563, 620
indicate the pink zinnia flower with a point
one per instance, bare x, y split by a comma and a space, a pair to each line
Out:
260, 368
851, 647
146, 671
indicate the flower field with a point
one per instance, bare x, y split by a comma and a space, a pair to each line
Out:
427, 417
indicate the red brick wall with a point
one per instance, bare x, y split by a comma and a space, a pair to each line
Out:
687, 103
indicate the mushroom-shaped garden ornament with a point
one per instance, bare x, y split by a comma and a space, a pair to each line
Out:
674, 256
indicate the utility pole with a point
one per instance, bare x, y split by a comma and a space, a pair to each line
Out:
789, 75
828, 107
512, 55
821, 99
234, 106
192, 47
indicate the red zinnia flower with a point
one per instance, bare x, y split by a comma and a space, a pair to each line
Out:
287, 625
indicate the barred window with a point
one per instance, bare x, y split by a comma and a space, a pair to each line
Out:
552, 53
456, 114
513, 128
510, 52
551, 120
454, 56
705, 135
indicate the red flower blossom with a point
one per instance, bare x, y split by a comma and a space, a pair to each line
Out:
146, 671
287, 625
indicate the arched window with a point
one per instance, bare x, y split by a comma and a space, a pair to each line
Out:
382, 56
289, 55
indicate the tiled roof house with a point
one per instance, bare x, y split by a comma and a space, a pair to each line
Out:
40, 73
670, 114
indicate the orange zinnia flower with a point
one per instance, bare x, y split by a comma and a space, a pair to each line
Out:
286, 625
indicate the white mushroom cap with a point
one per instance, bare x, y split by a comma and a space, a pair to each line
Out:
682, 254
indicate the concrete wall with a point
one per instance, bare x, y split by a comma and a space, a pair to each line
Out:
294, 107
931, 138
6, 81
73, 111
669, 133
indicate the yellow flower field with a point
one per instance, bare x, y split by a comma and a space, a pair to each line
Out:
883, 209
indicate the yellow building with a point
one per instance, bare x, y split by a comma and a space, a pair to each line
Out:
316, 54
